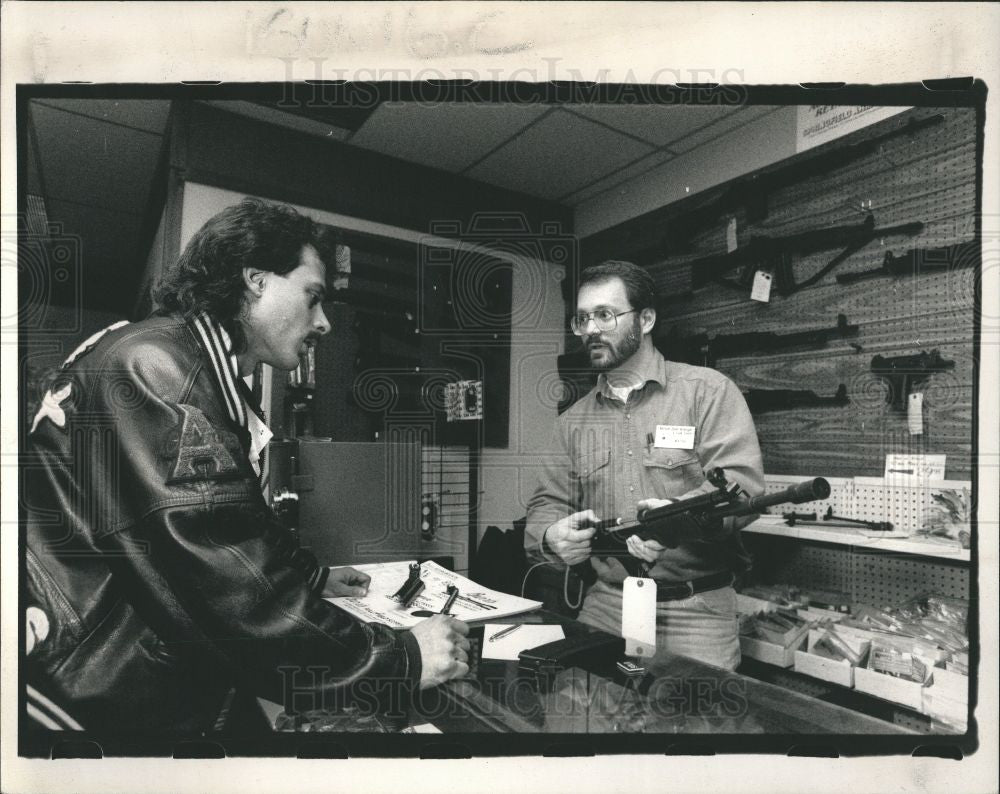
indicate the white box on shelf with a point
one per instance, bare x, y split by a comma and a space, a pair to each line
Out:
949, 684
948, 710
770, 652
837, 671
887, 687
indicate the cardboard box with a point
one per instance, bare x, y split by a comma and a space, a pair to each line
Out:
949, 684
887, 687
785, 638
769, 652
836, 671
954, 713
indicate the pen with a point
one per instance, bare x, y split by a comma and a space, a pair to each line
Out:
452, 595
504, 632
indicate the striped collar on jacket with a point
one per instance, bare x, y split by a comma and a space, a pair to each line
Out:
219, 349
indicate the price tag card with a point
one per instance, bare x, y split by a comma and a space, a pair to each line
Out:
761, 290
903, 469
674, 437
639, 616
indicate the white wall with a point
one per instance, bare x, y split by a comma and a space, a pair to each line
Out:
507, 476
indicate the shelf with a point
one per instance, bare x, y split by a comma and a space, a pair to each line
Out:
859, 538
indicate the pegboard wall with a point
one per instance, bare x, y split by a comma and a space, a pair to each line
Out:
926, 177
878, 578
907, 507
883, 579
445, 503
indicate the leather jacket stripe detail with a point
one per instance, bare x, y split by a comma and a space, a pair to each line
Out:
216, 342
44, 711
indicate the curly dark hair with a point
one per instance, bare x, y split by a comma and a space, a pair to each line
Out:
639, 285
208, 275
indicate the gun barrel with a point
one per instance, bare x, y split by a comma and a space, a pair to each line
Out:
807, 491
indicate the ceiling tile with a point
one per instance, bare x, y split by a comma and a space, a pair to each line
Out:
144, 114
93, 162
619, 176
658, 124
558, 155
727, 123
271, 115
450, 136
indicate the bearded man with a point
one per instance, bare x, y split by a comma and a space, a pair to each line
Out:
644, 436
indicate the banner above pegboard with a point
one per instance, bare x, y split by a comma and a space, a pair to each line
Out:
818, 124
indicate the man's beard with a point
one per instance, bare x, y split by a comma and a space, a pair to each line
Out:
617, 354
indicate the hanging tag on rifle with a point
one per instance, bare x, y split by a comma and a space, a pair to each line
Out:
731, 235
915, 414
761, 287
639, 616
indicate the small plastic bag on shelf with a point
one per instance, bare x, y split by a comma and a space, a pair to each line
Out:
832, 645
948, 516
901, 657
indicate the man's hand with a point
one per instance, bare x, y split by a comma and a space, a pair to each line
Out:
647, 550
346, 582
568, 540
444, 649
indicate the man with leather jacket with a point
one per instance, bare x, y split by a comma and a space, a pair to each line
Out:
157, 578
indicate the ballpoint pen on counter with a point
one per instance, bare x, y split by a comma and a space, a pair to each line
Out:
504, 632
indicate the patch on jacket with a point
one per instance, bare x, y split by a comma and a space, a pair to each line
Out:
52, 405
199, 450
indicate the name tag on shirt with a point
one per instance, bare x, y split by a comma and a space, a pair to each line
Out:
674, 437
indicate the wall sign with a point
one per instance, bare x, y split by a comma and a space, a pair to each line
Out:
818, 124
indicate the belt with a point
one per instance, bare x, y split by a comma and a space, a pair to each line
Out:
675, 591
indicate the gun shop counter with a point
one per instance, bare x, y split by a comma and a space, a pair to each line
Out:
674, 695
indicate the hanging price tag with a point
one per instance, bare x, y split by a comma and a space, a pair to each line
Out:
915, 414
761, 287
639, 616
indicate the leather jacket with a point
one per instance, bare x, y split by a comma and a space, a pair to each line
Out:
165, 577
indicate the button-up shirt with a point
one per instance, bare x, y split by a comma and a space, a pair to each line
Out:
604, 457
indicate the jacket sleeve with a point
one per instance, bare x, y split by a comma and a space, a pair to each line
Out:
202, 559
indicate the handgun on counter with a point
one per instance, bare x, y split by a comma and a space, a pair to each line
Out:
695, 517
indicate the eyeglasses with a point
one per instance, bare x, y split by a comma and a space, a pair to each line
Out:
604, 319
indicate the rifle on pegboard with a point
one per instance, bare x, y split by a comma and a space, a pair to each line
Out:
752, 193
775, 254
920, 260
705, 351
